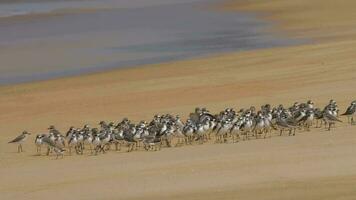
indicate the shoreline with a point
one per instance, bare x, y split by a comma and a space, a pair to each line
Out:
312, 165
65, 50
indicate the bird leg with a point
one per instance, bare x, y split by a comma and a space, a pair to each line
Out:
102, 148
129, 146
91, 149
48, 150
82, 148
76, 149
39, 150
96, 150
133, 146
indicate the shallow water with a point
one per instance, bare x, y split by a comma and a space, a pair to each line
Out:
90, 35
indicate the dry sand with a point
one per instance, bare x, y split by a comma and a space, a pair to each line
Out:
315, 165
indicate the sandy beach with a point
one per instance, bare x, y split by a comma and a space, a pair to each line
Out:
313, 165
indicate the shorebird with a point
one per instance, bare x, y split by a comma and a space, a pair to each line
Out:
105, 138
247, 126
308, 119
310, 104
60, 141
178, 122
80, 140
283, 123
117, 138
299, 114
73, 142
167, 135
39, 143
268, 123
350, 112
259, 125
20, 139
103, 125
45, 140
152, 143
70, 132
59, 152
200, 133
88, 140
235, 130
54, 131
129, 138
178, 133
223, 131
96, 141
188, 131
330, 118
52, 145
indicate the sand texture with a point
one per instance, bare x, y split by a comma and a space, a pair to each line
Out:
314, 165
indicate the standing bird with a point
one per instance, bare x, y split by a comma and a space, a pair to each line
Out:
351, 110
330, 118
20, 139
73, 142
39, 142
52, 145
59, 152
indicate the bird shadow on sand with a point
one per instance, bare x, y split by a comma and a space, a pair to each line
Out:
36, 155
15, 152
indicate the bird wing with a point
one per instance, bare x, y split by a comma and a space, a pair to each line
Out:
297, 115
18, 138
287, 123
49, 142
332, 117
282, 123
254, 125
291, 122
303, 118
272, 125
206, 115
350, 110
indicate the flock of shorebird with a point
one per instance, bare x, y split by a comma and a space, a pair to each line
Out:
200, 127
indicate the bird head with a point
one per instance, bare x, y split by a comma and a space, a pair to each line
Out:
26, 133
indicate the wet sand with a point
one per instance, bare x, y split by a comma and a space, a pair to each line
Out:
315, 165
